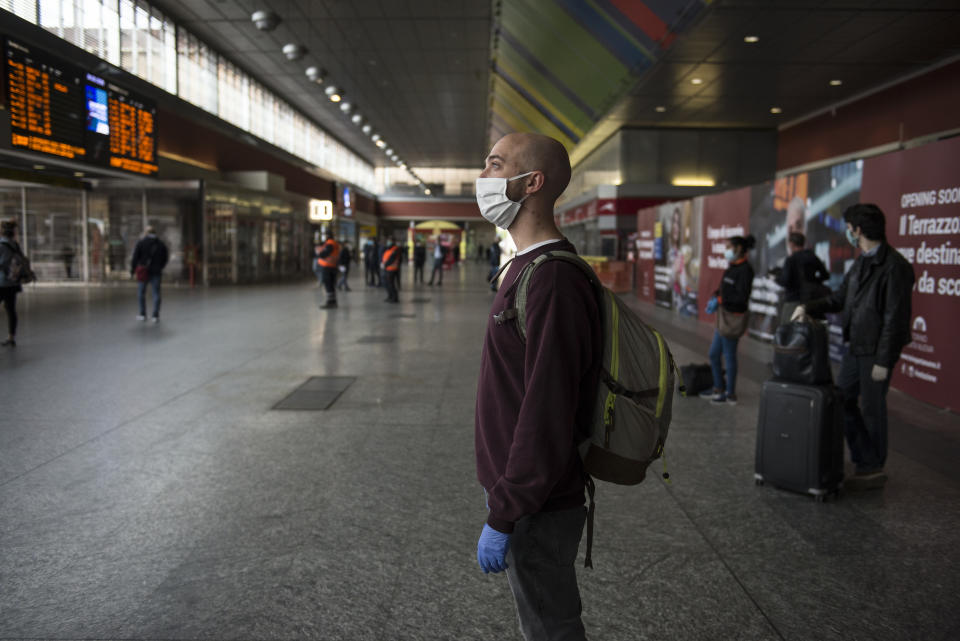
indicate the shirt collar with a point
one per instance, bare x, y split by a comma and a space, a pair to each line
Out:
539, 245
872, 252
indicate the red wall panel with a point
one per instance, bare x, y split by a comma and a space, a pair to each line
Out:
918, 107
430, 210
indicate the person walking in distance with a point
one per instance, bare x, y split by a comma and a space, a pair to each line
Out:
328, 256
390, 264
14, 270
150, 256
343, 264
371, 263
419, 260
439, 253
875, 300
731, 303
535, 397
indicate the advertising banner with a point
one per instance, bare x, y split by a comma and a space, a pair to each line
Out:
646, 221
677, 255
919, 191
811, 203
724, 215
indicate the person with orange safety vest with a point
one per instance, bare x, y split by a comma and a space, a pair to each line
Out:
390, 266
327, 255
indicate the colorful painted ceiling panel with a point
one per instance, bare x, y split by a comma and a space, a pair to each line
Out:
560, 65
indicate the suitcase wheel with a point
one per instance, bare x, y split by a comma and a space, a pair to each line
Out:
758, 481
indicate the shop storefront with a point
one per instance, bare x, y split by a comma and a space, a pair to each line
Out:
253, 236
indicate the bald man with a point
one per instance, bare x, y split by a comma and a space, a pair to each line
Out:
535, 396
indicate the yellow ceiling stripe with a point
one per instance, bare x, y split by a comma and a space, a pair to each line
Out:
523, 108
514, 73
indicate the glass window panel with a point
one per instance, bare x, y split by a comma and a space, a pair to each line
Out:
26, 9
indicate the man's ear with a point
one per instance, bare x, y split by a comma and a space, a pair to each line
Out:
535, 182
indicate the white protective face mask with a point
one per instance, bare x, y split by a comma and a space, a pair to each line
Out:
493, 202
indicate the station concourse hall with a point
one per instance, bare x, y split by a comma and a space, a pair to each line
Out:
261, 373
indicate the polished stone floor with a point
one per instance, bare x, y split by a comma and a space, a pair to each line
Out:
148, 490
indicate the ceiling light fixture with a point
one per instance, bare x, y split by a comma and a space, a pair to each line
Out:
751, 39
388, 151
375, 137
366, 129
692, 181
315, 74
345, 107
356, 119
696, 81
381, 144
836, 83
265, 20
294, 51
775, 110
426, 191
39, 167
660, 109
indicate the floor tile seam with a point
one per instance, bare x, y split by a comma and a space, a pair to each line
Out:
146, 413
726, 565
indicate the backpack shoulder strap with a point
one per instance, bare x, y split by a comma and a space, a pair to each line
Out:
525, 276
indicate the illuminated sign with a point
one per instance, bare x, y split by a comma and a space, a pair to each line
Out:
321, 210
57, 110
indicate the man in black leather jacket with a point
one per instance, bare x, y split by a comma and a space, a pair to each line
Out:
875, 300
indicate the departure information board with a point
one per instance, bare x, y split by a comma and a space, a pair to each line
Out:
57, 109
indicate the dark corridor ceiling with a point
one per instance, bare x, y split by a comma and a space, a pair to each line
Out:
424, 74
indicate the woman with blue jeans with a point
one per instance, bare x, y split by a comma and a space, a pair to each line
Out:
731, 302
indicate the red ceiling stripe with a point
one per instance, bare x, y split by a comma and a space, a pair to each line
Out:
643, 17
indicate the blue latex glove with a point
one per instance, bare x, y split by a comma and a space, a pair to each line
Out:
492, 550
712, 305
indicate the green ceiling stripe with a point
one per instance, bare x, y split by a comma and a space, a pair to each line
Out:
531, 100
570, 51
520, 106
522, 116
544, 91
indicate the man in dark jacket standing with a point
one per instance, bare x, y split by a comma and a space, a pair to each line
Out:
801, 277
371, 263
149, 258
875, 300
535, 396
419, 260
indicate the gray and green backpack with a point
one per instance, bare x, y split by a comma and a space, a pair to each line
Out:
632, 413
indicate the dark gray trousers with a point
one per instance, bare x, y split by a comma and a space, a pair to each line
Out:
864, 412
541, 558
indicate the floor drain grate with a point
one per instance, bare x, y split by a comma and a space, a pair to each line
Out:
317, 393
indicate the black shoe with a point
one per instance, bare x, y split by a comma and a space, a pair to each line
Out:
866, 481
329, 305
9, 343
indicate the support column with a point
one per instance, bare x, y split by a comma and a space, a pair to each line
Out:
85, 243
24, 244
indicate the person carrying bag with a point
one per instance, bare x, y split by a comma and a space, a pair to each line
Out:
731, 304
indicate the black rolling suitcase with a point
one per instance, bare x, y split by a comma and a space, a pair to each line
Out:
800, 438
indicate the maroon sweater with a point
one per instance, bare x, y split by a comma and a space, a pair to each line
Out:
534, 399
